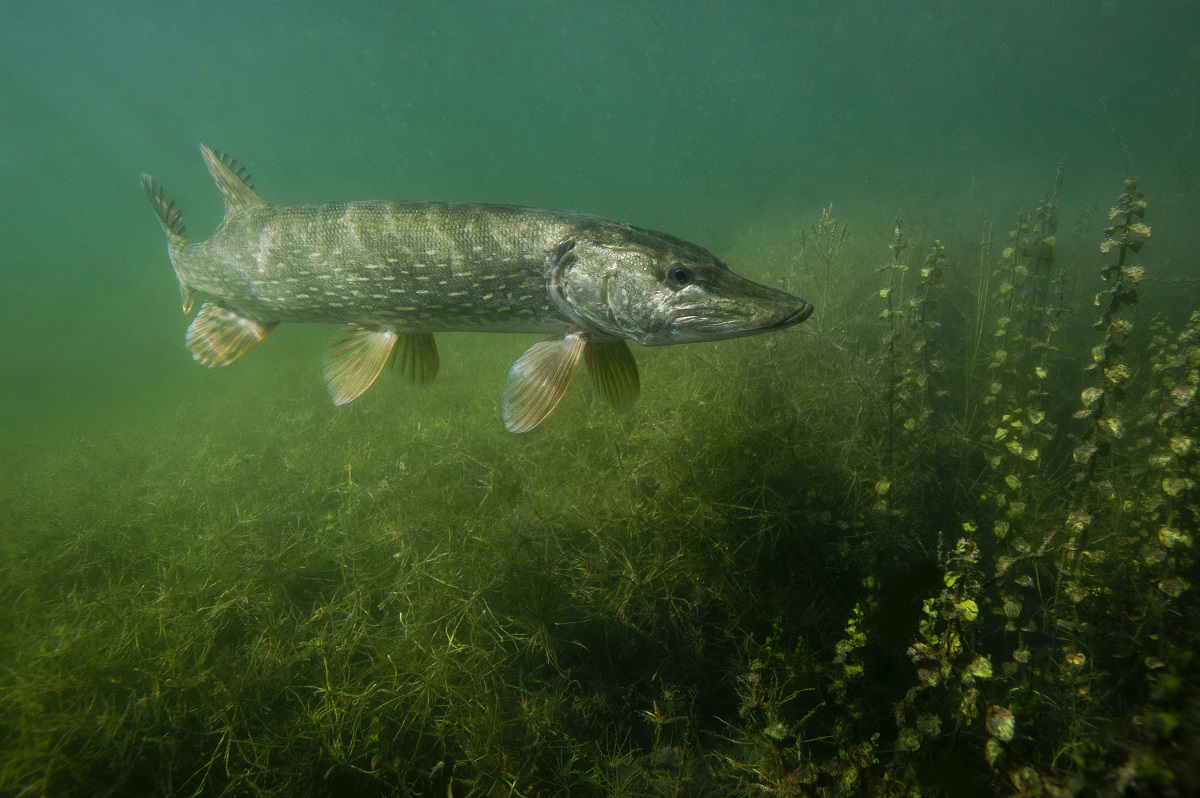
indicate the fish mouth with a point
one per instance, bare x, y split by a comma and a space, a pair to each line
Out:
798, 315
693, 325
752, 326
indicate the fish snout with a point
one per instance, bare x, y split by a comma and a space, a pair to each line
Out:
802, 312
733, 317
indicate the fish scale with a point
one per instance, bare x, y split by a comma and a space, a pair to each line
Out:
396, 272
416, 267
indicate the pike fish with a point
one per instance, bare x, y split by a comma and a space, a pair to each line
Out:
395, 273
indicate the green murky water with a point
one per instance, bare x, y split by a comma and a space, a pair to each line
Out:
913, 546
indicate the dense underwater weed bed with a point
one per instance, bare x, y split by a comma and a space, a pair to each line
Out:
891, 553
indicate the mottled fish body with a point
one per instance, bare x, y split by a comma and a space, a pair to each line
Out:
417, 267
397, 272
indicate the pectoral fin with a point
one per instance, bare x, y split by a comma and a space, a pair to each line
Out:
354, 360
218, 336
416, 357
614, 372
538, 380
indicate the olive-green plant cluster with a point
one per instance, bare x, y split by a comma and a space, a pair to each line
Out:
893, 316
1029, 305
1094, 487
1172, 450
949, 672
911, 370
300, 607
912, 356
1125, 238
1013, 648
1166, 521
788, 571
928, 363
825, 239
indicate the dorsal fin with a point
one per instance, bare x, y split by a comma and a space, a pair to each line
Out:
234, 183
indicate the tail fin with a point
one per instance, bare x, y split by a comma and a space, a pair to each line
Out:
172, 222
168, 212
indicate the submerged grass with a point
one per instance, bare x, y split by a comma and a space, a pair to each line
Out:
805, 564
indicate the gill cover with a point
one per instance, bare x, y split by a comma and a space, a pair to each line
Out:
612, 290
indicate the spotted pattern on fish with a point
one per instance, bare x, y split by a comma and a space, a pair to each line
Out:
416, 267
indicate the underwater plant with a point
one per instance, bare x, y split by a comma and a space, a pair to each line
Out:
883, 585
825, 239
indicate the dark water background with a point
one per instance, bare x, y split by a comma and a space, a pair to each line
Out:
713, 121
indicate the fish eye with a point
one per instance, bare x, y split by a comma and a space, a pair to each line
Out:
679, 276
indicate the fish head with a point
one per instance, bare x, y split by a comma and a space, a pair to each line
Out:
658, 290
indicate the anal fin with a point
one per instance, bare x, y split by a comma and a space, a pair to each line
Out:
538, 380
614, 372
218, 336
355, 358
416, 357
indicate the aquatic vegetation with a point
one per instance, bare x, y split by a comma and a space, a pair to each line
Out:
1018, 431
825, 239
798, 568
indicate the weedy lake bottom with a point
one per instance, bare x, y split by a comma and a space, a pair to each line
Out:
936, 541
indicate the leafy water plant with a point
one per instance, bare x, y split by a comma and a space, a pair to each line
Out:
825, 239
1111, 372
893, 314
1030, 316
